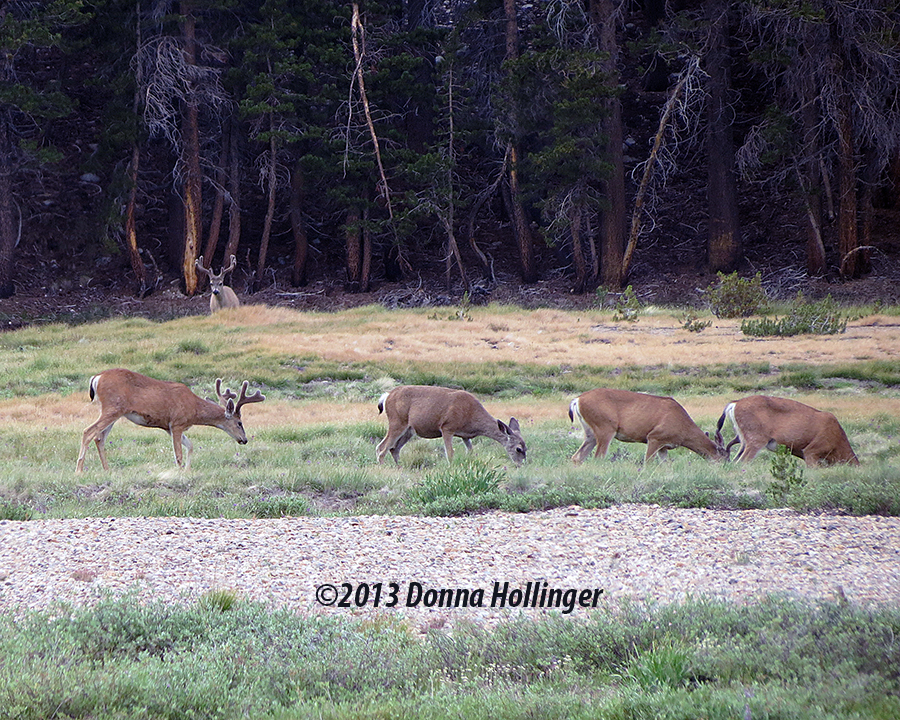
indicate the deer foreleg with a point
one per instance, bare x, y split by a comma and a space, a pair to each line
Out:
179, 440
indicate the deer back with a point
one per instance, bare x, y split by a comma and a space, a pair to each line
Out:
150, 402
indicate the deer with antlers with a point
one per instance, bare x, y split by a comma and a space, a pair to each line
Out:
221, 296
628, 416
761, 421
170, 406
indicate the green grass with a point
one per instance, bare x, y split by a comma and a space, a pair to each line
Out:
227, 658
329, 466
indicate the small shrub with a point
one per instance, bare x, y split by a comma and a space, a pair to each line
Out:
628, 307
735, 296
818, 318
692, 323
787, 474
15, 511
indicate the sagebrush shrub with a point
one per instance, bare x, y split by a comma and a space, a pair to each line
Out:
734, 296
816, 318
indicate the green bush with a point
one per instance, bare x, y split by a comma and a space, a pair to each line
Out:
735, 296
787, 474
628, 307
817, 318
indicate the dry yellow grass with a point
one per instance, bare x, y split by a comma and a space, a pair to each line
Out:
546, 337
539, 337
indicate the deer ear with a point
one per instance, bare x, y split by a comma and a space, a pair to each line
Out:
229, 407
514, 424
504, 427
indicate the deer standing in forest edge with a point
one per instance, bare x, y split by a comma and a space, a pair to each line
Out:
221, 296
169, 406
761, 422
637, 417
439, 412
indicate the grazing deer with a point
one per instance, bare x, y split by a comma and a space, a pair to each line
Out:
761, 422
439, 412
221, 295
169, 406
637, 417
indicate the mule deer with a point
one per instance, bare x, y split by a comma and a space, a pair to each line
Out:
169, 406
221, 296
761, 422
637, 417
439, 412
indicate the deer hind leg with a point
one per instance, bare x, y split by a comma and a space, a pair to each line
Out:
95, 433
401, 441
593, 440
397, 436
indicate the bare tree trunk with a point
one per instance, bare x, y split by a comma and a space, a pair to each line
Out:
812, 191
635, 231
234, 190
848, 239
724, 229
193, 178
352, 237
270, 210
577, 251
8, 233
131, 243
612, 237
215, 223
524, 240
365, 268
301, 242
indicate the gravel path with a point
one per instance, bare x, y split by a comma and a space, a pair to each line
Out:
640, 551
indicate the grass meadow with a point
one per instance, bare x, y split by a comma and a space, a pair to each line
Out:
311, 450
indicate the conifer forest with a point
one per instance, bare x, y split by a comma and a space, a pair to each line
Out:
463, 144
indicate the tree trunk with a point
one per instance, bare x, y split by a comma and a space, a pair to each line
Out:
724, 240
193, 178
301, 242
812, 190
215, 223
8, 233
613, 221
131, 244
577, 251
352, 236
270, 210
524, 241
234, 190
365, 268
